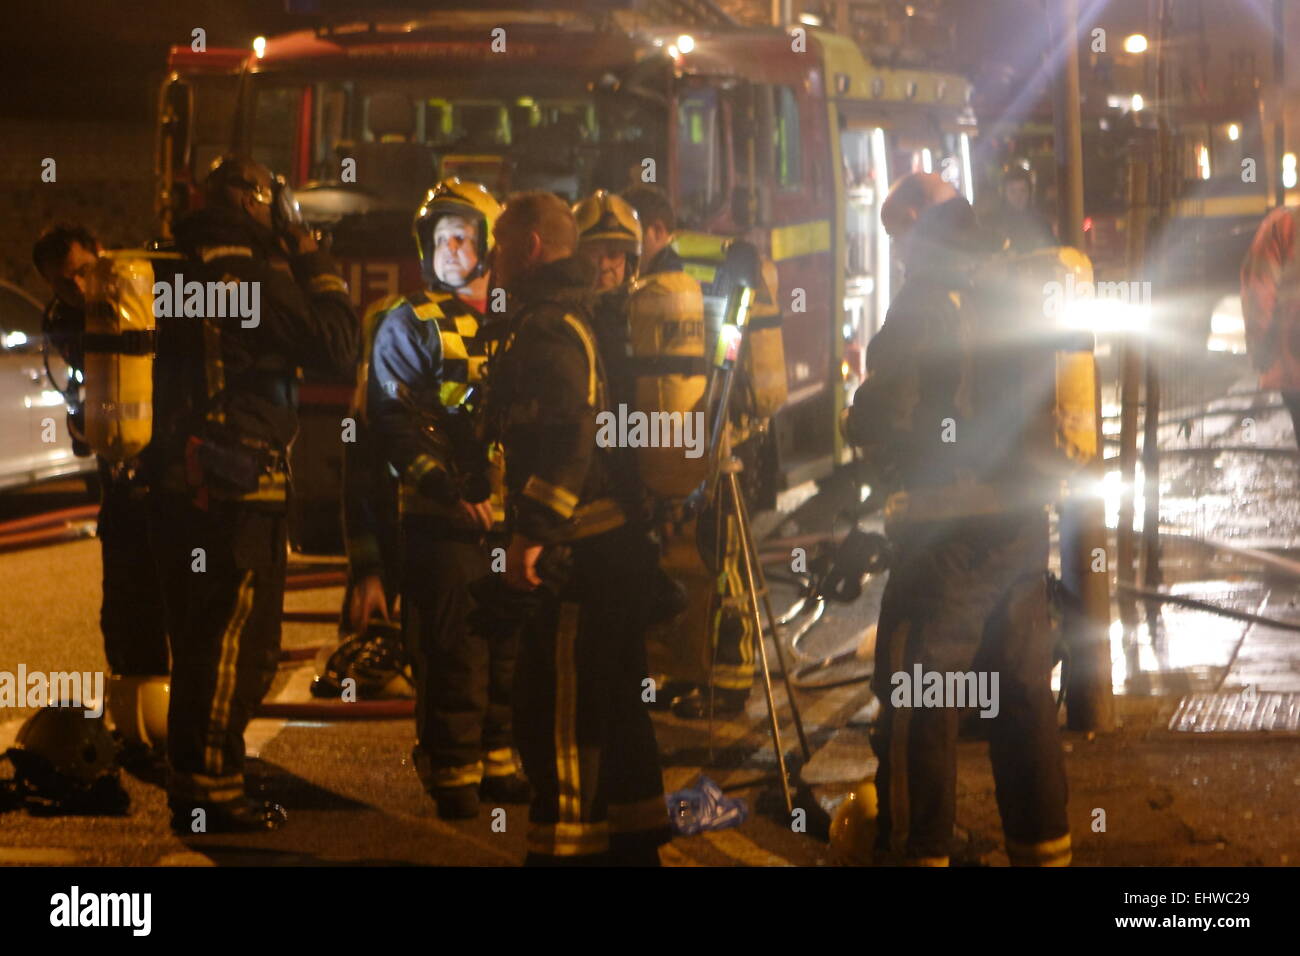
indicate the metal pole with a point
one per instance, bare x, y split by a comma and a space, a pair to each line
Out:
1090, 704
733, 486
1279, 97
1131, 385
1151, 413
1069, 133
774, 624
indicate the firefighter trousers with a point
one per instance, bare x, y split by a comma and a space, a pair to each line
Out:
463, 679
131, 615
968, 598
222, 570
582, 725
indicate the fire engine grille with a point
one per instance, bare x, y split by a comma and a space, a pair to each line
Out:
1237, 713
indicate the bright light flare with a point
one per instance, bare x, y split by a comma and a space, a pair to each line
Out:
1106, 316
259, 47
1227, 327
686, 43
1234, 132
1137, 103
1135, 43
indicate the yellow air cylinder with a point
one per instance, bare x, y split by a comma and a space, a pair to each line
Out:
118, 385
765, 356
667, 336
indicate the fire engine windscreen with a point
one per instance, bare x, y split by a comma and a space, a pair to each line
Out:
511, 133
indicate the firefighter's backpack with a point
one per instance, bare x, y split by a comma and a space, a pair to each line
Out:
118, 346
669, 375
1057, 380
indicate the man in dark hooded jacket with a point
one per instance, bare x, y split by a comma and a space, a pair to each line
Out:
965, 605
248, 307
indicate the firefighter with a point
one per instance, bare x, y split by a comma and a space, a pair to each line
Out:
225, 412
609, 237
423, 401
711, 641
967, 589
131, 617
1015, 224
577, 556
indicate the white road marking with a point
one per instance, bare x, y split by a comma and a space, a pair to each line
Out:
262, 730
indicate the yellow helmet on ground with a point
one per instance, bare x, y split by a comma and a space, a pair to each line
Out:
455, 197
853, 830
602, 216
137, 708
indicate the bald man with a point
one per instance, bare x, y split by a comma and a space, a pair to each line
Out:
578, 560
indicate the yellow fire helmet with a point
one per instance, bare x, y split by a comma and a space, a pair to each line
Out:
455, 197
604, 216
137, 708
853, 831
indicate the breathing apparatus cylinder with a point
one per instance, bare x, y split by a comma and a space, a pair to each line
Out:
667, 338
119, 355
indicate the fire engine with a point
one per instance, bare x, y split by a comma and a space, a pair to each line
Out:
788, 137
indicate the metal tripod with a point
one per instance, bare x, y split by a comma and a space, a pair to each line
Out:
742, 266
732, 500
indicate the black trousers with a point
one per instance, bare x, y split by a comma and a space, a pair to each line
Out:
969, 597
583, 729
463, 679
131, 615
223, 572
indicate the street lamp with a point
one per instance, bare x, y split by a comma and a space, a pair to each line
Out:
1135, 43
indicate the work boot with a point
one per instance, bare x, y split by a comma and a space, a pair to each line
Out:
505, 788
234, 816
695, 705
456, 803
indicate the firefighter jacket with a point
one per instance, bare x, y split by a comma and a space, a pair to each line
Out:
423, 386
930, 417
1270, 301
546, 389
225, 389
